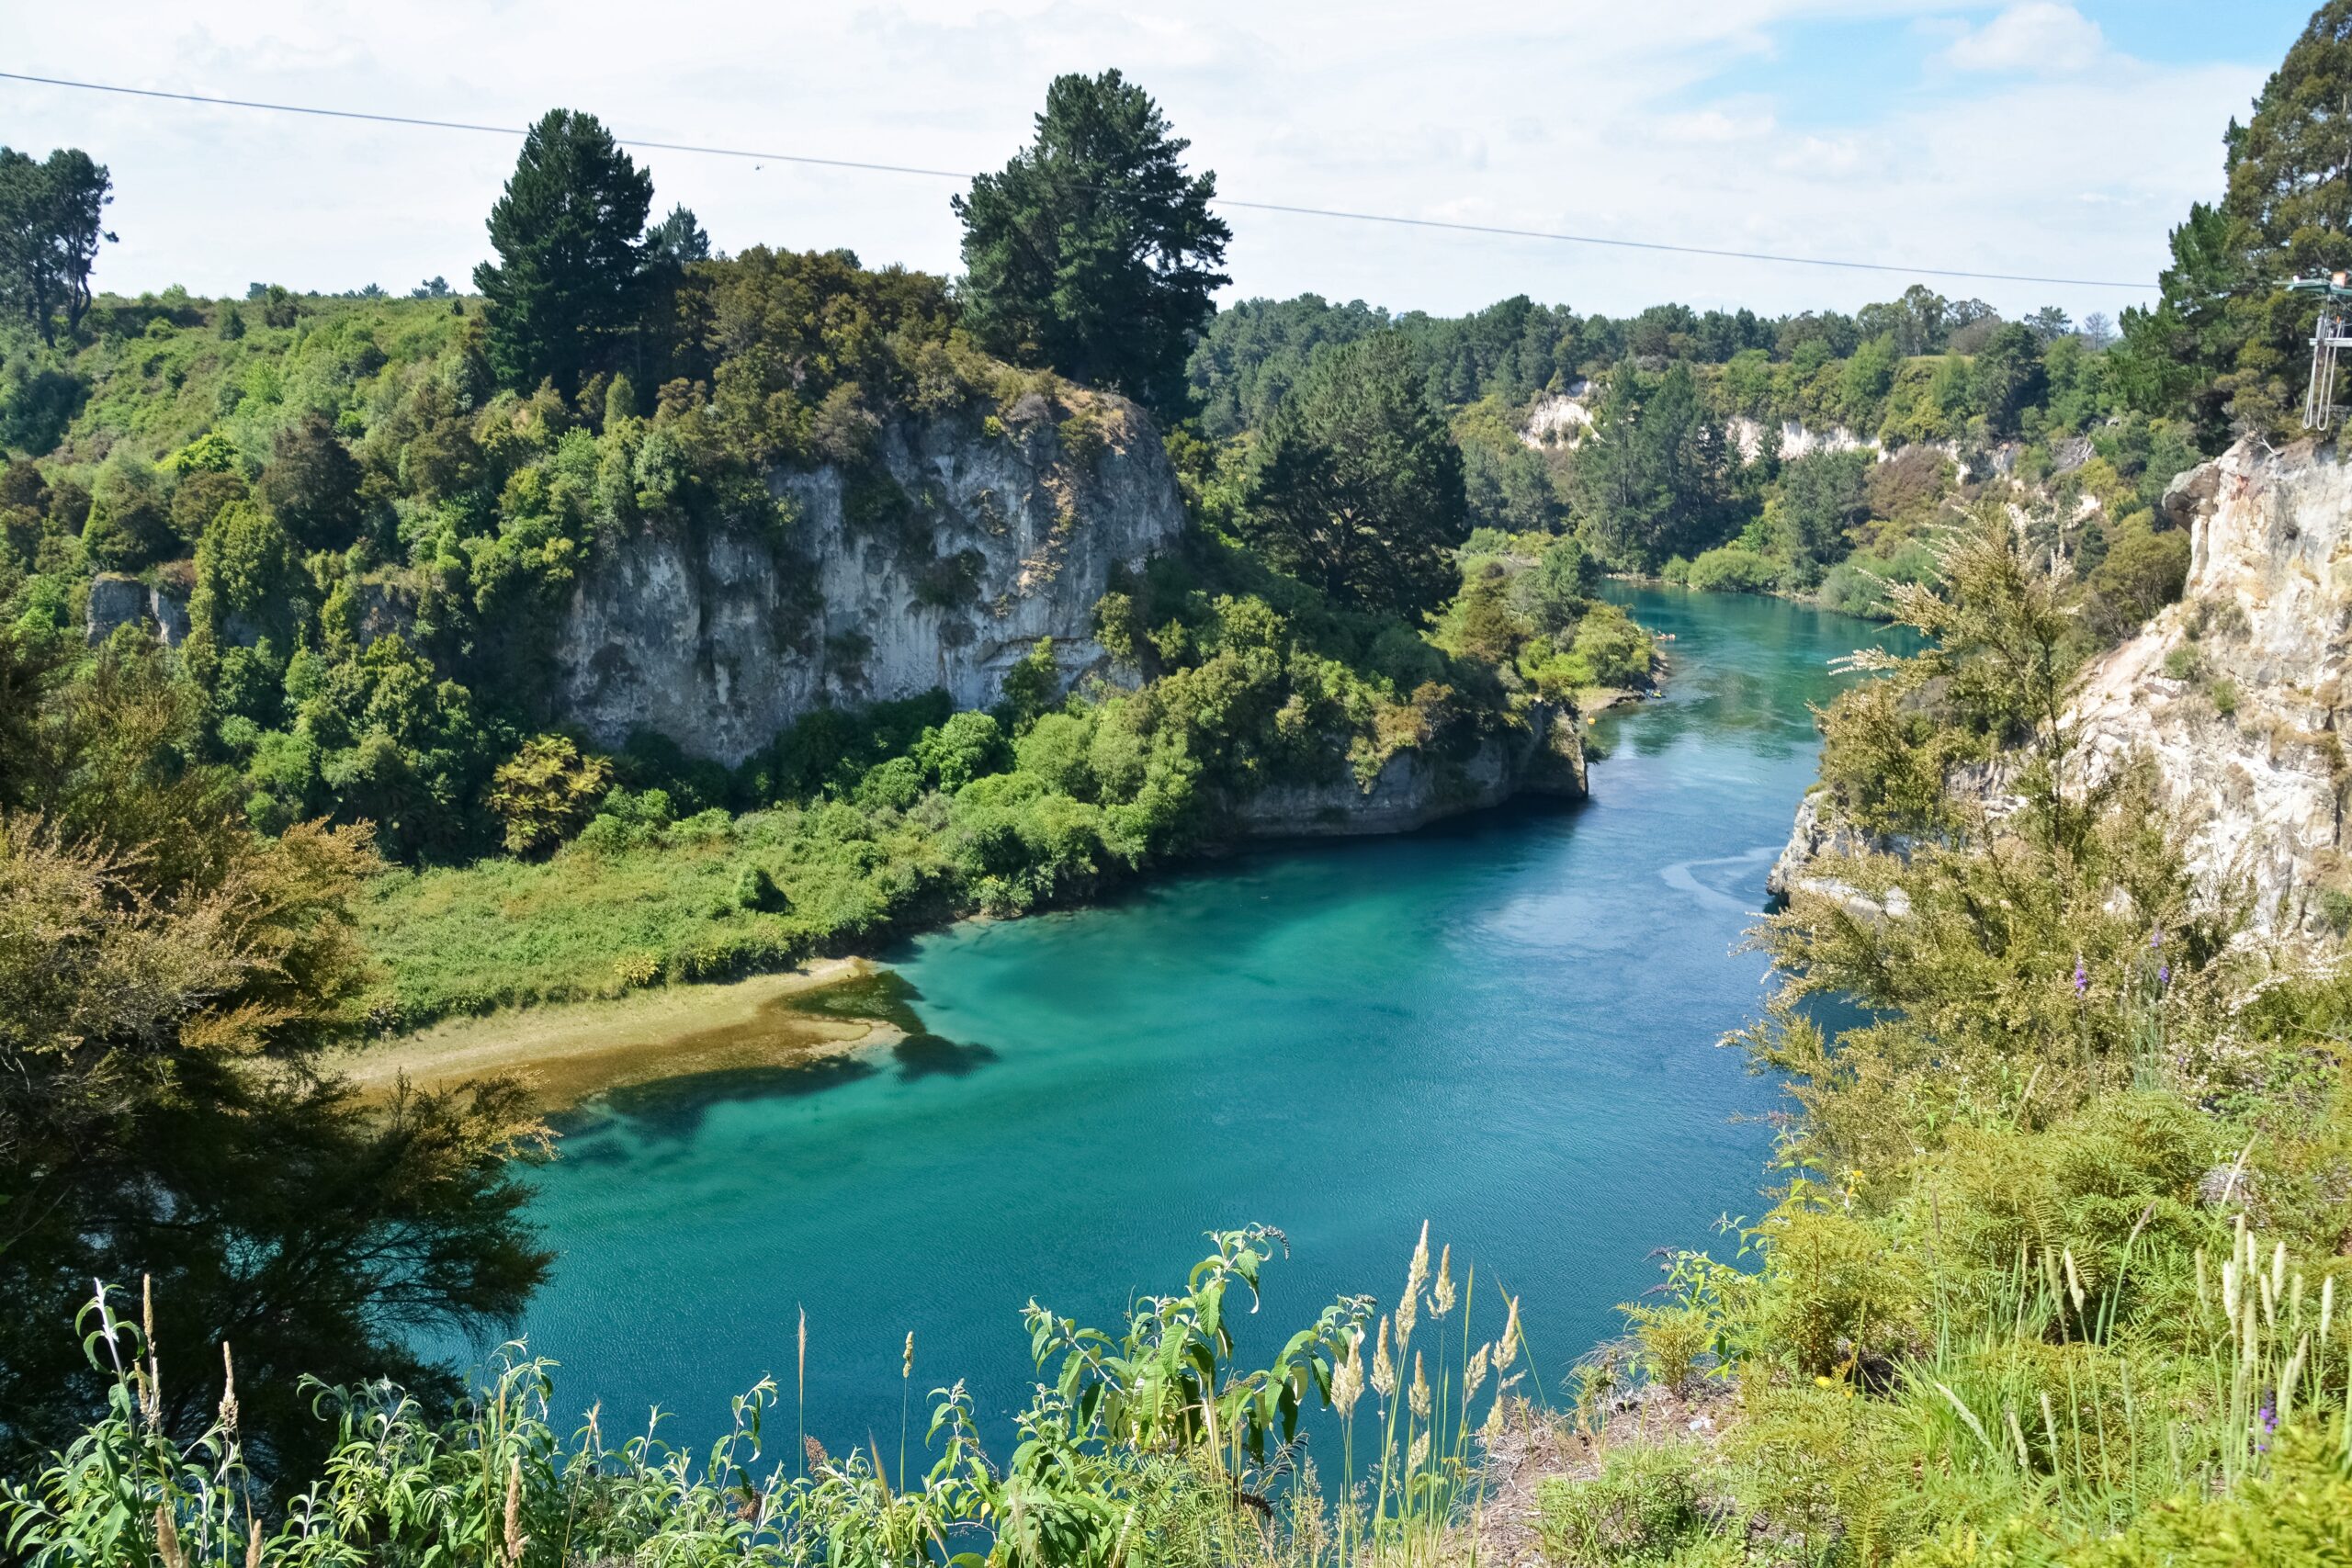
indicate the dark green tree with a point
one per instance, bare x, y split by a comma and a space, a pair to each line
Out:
1822, 495
2226, 340
311, 485
130, 526
1357, 487
52, 224
564, 293
1650, 481
677, 239
2009, 377
1093, 251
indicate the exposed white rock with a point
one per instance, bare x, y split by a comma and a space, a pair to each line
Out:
1558, 418
1813, 836
115, 600
2264, 630
1797, 440
718, 637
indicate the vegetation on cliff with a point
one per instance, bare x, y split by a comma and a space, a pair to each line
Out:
372, 513
1657, 441
2050, 1272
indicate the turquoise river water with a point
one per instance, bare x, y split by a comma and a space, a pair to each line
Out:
1505, 1026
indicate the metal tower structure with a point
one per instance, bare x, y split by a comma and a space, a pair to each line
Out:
2333, 331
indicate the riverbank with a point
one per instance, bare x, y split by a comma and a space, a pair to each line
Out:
567, 1051
1520, 1000
711, 897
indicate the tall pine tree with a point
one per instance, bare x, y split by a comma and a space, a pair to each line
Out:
1093, 252
2226, 345
564, 294
1357, 487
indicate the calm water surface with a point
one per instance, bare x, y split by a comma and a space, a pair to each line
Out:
1505, 1026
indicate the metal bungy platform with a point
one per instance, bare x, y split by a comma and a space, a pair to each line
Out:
2331, 333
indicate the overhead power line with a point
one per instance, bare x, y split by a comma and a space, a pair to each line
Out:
1715, 252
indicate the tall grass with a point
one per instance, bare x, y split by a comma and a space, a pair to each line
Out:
1151, 1446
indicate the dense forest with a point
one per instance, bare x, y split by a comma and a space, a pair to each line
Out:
313, 783
1812, 455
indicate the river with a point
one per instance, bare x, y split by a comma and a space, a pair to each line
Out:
1505, 1026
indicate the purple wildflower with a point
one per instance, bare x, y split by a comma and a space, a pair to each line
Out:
2082, 977
2163, 974
2155, 938
2269, 1416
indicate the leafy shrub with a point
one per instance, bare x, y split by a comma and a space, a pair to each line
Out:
1643, 1508
547, 792
1733, 569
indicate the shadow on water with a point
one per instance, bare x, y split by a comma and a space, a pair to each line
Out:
929, 1056
673, 1107
881, 995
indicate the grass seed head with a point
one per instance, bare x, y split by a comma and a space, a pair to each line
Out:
1507, 1348
228, 1392
515, 1539
167, 1538
1417, 1278
1347, 1378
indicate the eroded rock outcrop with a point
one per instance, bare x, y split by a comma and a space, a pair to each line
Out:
2236, 692
940, 565
116, 600
1422, 785
2235, 695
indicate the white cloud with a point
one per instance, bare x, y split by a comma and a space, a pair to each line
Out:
1610, 121
1718, 126
2038, 36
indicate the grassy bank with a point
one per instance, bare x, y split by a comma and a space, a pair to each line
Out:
680, 903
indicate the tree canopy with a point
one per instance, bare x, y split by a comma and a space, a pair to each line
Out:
167, 978
1093, 251
570, 235
2226, 338
1358, 486
51, 225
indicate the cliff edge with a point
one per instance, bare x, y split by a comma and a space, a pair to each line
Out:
939, 564
2235, 693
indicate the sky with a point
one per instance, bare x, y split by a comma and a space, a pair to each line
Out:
2036, 137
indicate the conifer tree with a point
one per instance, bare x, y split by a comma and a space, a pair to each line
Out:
569, 231
1093, 252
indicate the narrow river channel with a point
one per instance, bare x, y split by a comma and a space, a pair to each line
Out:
1505, 1026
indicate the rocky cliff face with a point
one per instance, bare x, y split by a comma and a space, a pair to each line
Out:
119, 601
940, 566
1418, 787
2235, 693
